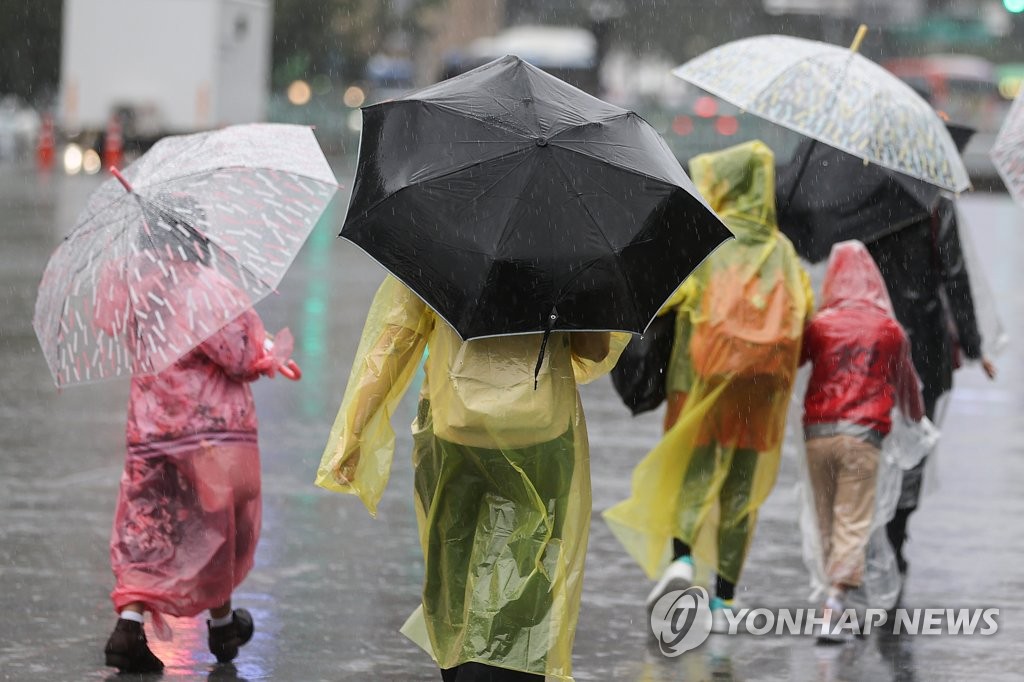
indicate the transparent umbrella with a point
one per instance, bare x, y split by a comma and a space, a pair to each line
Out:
192, 234
836, 96
1008, 151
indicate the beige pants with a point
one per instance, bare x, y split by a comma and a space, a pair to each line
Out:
842, 470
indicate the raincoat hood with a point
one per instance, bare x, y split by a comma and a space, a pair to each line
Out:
853, 278
739, 185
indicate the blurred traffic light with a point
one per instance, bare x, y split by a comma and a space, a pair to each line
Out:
1015, 6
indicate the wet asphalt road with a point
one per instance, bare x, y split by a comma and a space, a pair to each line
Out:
332, 586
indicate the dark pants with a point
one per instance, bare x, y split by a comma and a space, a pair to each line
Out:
478, 672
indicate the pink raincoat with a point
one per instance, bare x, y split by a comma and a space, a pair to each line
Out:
188, 513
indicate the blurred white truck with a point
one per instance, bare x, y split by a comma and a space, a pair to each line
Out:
164, 66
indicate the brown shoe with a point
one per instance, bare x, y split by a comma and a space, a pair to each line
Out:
128, 651
224, 641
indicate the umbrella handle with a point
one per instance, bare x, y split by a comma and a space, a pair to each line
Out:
543, 346
290, 370
800, 171
120, 178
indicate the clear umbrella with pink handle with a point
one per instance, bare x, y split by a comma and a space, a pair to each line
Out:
188, 237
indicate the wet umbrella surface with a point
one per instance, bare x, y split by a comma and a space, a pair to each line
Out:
833, 196
241, 201
512, 202
836, 96
1008, 151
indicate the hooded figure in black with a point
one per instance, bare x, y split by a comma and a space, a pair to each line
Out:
926, 274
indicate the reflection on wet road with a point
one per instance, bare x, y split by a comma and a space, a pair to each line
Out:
332, 586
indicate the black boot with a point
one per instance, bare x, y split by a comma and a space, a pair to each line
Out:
225, 640
897, 532
128, 651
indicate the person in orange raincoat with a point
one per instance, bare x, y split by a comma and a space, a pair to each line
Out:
739, 322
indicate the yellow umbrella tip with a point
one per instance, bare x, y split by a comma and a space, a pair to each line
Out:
862, 31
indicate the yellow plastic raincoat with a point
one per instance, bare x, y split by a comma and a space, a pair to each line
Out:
502, 479
739, 321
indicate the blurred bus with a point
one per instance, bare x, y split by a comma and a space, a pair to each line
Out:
568, 52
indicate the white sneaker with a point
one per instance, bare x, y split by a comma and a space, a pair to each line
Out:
719, 620
833, 612
678, 576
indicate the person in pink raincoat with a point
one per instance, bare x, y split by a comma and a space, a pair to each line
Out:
188, 514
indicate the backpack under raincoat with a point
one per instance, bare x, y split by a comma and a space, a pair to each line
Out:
502, 479
739, 321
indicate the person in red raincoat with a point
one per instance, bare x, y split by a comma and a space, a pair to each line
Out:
188, 513
861, 368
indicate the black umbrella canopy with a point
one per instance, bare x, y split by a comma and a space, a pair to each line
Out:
511, 202
832, 196
961, 134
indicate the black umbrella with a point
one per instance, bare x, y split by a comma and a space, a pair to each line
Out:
511, 202
827, 196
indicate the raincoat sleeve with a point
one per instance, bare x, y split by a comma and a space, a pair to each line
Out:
807, 343
956, 282
357, 459
595, 353
680, 368
807, 339
237, 347
805, 282
680, 295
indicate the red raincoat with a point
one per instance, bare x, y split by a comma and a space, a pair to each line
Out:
860, 353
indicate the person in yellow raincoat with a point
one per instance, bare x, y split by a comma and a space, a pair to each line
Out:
739, 322
502, 480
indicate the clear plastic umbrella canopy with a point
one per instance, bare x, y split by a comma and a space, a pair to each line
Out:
835, 96
192, 234
1008, 151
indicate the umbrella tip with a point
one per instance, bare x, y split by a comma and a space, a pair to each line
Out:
862, 31
120, 178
